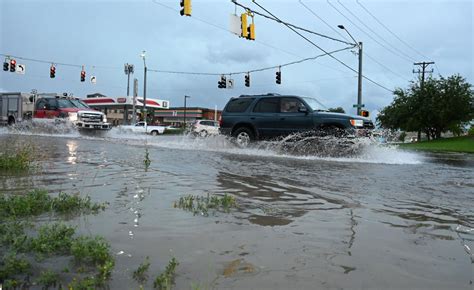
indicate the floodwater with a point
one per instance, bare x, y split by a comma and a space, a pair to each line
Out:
383, 219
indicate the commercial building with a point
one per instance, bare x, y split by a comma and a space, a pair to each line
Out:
175, 116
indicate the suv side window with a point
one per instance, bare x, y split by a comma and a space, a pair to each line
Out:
291, 105
40, 105
239, 105
267, 105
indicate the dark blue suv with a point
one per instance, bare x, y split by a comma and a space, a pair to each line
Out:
256, 117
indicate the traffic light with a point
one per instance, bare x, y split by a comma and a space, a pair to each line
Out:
243, 25
52, 72
185, 7
364, 113
247, 80
251, 32
278, 77
222, 84
83, 76
12, 65
6, 66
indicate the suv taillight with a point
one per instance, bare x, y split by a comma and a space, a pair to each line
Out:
220, 121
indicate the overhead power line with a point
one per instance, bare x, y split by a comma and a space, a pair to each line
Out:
390, 31
370, 36
289, 24
252, 70
365, 53
317, 46
374, 32
228, 30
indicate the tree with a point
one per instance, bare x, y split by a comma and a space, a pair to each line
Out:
337, 110
443, 104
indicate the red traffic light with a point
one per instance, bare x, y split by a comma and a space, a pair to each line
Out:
52, 72
83, 76
12, 65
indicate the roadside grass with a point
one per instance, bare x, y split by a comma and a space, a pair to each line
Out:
21, 159
464, 144
203, 204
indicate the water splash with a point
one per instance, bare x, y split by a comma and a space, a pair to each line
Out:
306, 147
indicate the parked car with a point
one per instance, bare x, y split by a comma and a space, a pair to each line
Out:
255, 117
205, 128
142, 127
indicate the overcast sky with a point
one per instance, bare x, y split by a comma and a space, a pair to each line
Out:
103, 35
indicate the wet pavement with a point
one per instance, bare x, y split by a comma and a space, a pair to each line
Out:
384, 219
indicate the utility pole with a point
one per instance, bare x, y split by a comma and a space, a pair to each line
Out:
423, 71
359, 87
359, 80
144, 90
185, 97
135, 94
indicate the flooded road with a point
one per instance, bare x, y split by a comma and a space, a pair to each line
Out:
385, 219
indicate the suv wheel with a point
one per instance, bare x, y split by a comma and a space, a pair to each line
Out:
203, 133
154, 133
243, 136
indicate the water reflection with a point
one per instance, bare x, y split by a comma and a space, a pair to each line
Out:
72, 151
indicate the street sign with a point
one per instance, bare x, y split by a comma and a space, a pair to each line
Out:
234, 24
355, 106
93, 80
20, 69
230, 84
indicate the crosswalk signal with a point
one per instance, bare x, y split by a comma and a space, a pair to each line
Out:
222, 84
6, 66
83, 76
278, 77
185, 7
364, 113
52, 72
12, 65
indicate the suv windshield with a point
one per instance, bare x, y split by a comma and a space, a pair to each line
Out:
64, 103
79, 104
315, 104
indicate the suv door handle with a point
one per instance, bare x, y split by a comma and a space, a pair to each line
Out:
282, 118
252, 118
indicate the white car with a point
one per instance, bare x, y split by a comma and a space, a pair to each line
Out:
205, 128
140, 128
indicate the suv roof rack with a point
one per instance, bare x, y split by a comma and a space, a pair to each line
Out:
259, 95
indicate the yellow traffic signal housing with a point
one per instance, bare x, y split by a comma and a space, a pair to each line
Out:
251, 31
243, 25
185, 7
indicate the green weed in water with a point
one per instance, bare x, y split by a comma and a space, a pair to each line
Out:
38, 202
12, 265
202, 204
166, 279
53, 239
147, 160
21, 160
141, 273
48, 279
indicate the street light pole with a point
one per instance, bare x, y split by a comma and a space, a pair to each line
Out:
359, 80
144, 90
185, 97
